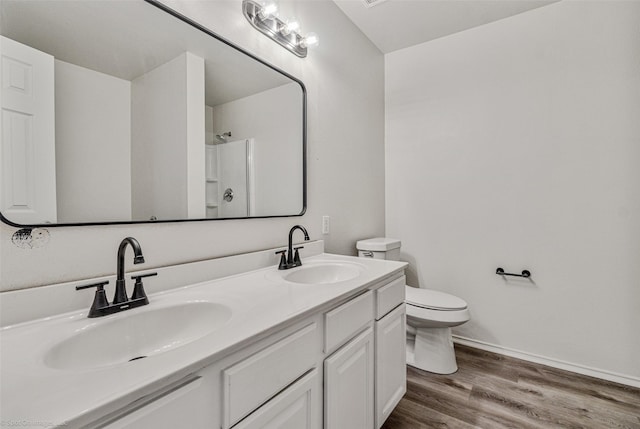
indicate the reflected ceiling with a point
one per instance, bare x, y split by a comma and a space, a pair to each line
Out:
55, 29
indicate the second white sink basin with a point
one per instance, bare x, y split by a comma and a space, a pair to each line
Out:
131, 336
323, 273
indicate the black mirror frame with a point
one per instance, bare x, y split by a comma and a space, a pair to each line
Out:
207, 31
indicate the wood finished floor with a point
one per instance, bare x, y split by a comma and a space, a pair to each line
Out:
494, 391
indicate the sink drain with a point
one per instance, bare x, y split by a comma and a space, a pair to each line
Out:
136, 358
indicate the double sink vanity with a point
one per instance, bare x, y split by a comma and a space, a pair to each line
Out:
318, 345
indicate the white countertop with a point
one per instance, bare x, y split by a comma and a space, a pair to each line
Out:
261, 303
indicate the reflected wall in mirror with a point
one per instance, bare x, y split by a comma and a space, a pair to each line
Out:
122, 111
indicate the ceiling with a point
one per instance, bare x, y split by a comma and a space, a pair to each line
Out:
398, 24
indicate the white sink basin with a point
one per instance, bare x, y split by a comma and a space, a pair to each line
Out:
323, 273
131, 336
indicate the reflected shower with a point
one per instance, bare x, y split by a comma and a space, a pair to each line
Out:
222, 138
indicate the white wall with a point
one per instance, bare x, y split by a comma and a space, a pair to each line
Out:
274, 119
516, 144
167, 143
196, 136
344, 77
93, 139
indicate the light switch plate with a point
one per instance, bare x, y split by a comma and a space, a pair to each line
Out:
326, 225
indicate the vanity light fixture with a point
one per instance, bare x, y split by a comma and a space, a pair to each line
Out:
268, 10
311, 39
289, 27
263, 17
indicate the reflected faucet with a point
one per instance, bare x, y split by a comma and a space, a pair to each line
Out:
290, 260
121, 290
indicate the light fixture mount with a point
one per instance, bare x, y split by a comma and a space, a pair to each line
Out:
272, 26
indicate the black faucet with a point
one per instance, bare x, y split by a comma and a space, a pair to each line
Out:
290, 260
121, 290
121, 302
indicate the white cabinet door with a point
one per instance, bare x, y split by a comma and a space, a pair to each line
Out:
187, 406
27, 152
348, 385
297, 407
391, 366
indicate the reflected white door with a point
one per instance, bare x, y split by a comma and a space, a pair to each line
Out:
236, 175
27, 155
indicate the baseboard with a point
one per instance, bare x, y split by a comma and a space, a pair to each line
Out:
567, 366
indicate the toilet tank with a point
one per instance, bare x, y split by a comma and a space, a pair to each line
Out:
379, 248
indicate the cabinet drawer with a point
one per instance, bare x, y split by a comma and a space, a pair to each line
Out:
188, 405
390, 296
344, 322
253, 381
297, 407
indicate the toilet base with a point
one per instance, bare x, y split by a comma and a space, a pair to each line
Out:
431, 349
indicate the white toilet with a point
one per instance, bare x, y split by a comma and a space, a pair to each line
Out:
430, 315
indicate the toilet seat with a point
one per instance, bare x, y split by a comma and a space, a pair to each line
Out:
433, 299
419, 317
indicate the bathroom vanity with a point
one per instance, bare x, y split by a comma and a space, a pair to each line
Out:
320, 345
224, 343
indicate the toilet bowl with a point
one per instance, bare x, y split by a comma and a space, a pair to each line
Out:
430, 315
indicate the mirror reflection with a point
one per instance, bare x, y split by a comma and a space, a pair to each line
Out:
119, 111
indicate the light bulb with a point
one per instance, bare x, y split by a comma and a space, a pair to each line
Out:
269, 9
310, 40
291, 26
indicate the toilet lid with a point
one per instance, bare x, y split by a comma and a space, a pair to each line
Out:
433, 299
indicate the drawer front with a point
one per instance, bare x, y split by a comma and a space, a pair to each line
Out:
188, 405
390, 296
344, 322
297, 407
253, 381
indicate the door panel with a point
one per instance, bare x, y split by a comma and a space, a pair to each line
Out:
348, 393
27, 155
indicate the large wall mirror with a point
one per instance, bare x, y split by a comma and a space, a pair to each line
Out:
125, 111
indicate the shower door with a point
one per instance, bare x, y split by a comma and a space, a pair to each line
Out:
236, 178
